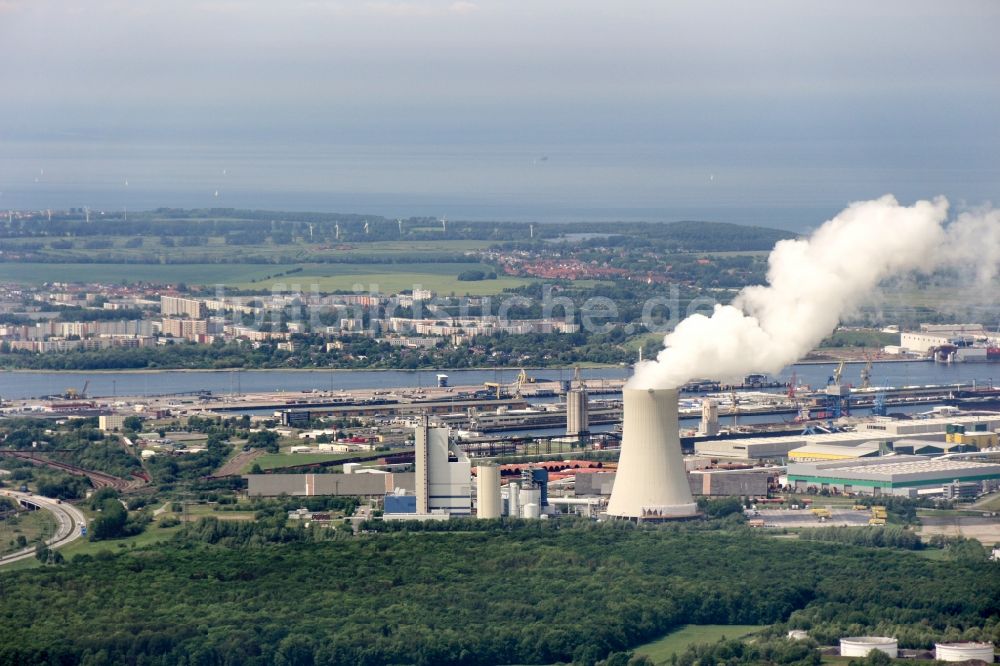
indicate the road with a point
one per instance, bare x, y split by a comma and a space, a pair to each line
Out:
68, 522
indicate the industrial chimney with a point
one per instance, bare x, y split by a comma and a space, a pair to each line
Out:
651, 483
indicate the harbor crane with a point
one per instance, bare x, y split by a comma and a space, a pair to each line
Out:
866, 374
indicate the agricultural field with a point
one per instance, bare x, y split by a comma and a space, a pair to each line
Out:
676, 642
388, 278
192, 274
214, 248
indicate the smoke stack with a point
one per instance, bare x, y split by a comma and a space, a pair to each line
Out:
651, 483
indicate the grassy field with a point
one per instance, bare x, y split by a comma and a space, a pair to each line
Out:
677, 641
279, 460
210, 274
83, 546
387, 278
34, 526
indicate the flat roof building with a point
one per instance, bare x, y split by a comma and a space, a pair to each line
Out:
889, 475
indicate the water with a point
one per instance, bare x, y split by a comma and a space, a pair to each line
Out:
471, 182
23, 385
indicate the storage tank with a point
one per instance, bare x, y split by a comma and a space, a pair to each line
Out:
487, 491
529, 496
964, 652
860, 646
651, 483
531, 511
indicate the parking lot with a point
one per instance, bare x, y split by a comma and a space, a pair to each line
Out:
790, 518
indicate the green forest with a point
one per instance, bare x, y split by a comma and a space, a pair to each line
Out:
225, 593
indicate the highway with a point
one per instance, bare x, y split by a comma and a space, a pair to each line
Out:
69, 519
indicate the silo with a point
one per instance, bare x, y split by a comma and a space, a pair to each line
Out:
651, 483
709, 417
860, 646
577, 419
532, 511
964, 652
488, 491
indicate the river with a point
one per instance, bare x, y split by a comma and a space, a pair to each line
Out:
25, 385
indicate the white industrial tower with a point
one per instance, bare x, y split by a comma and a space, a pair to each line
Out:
651, 483
443, 473
709, 417
577, 416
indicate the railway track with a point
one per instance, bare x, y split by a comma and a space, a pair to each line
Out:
97, 479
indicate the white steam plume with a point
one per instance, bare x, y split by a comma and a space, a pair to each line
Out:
812, 282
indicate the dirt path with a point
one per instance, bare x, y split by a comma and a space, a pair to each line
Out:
235, 465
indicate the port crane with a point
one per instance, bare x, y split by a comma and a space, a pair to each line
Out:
866, 374
514, 388
838, 396
73, 394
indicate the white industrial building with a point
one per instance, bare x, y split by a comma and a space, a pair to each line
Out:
443, 473
934, 426
876, 431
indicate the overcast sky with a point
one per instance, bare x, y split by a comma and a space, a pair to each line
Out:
744, 84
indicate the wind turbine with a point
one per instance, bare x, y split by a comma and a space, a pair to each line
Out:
400, 223
366, 227
444, 224
336, 228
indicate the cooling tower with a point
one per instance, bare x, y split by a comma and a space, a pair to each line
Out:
651, 483
488, 491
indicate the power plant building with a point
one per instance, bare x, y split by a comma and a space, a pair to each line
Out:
651, 483
443, 473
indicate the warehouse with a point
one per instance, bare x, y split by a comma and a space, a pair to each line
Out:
886, 427
969, 430
811, 452
310, 485
758, 448
891, 475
